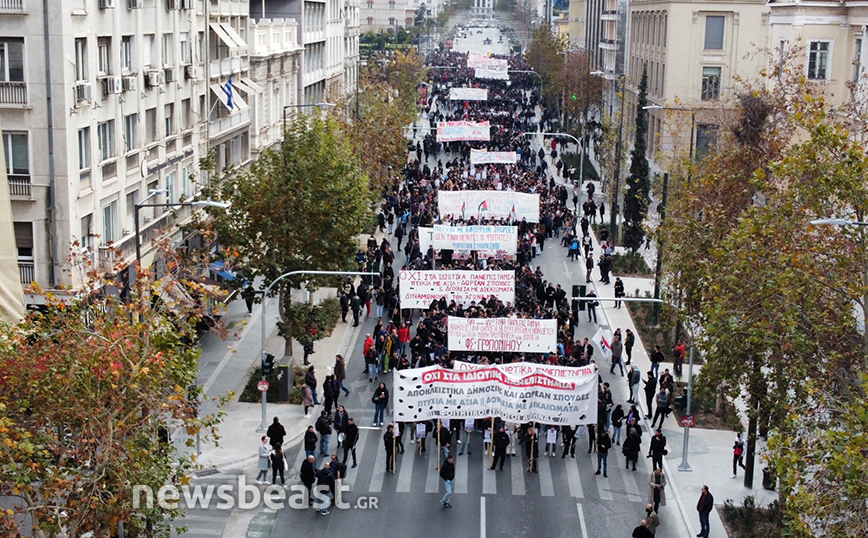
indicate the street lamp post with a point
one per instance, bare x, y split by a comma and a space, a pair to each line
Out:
140, 205
264, 424
316, 105
613, 213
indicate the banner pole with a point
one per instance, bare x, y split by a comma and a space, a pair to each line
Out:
438, 443
396, 429
532, 447
491, 445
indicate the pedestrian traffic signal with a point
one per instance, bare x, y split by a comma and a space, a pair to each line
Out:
267, 364
575, 97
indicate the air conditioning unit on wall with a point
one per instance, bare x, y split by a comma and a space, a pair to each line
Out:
129, 84
111, 85
154, 79
83, 91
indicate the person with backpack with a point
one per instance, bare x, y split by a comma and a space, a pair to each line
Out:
737, 454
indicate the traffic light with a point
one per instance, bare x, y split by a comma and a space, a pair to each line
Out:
575, 97
267, 364
578, 291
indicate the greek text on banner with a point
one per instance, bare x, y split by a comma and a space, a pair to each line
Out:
487, 240
485, 391
468, 94
514, 335
420, 288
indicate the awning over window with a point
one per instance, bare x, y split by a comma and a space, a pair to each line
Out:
248, 86
228, 35
219, 268
237, 102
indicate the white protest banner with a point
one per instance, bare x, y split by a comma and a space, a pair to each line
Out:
530, 396
524, 368
487, 240
479, 156
488, 204
514, 335
468, 94
479, 59
495, 72
420, 288
451, 131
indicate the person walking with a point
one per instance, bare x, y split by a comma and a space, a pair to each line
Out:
389, 445
617, 422
351, 436
356, 307
468, 431
249, 295
634, 378
308, 476
569, 440
642, 531
278, 465
444, 439
737, 454
629, 342
657, 449
656, 358
619, 291
650, 391
551, 441
704, 507
447, 474
589, 266
657, 489
603, 446
617, 348
310, 381
306, 399
310, 440
592, 304
264, 455
341, 373
380, 400
531, 443
276, 433
662, 406
324, 428
330, 393
652, 518
632, 446
501, 442
340, 423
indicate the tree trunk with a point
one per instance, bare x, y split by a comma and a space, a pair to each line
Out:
284, 299
750, 448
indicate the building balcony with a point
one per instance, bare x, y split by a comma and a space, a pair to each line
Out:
20, 187
11, 6
13, 93
229, 66
216, 127
26, 272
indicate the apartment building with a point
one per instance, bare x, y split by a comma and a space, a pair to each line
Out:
322, 30
832, 38
378, 15
275, 61
95, 112
693, 51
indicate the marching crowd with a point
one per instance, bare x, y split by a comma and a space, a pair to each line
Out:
404, 338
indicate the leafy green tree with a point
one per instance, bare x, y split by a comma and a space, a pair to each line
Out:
89, 393
638, 184
544, 55
298, 207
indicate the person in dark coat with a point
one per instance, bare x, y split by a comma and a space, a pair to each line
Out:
389, 445
310, 381
277, 465
308, 476
657, 449
340, 422
632, 447
276, 433
351, 436
447, 474
310, 439
328, 394
501, 441
325, 482
704, 507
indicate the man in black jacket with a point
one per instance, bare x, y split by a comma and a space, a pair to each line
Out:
325, 485
276, 432
501, 441
341, 421
323, 426
704, 507
604, 443
351, 436
657, 449
389, 445
308, 476
447, 474
650, 391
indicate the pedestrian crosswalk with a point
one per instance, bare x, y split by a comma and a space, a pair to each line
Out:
415, 472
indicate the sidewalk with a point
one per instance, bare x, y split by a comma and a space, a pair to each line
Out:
710, 451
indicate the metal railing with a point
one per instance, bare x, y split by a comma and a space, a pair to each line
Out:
12, 6
13, 93
19, 186
26, 272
